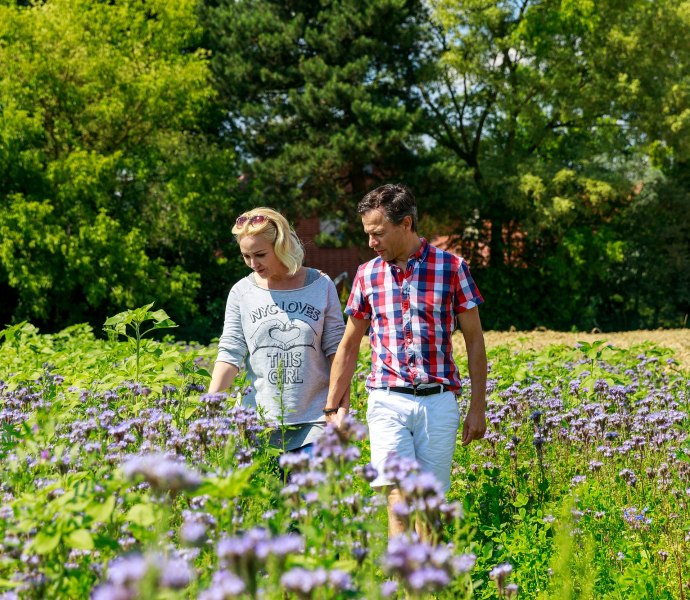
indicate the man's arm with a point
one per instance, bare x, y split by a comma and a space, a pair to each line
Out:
475, 421
343, 369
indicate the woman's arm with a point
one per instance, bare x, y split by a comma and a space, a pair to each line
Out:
223, 376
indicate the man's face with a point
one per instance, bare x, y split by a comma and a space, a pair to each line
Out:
389, 241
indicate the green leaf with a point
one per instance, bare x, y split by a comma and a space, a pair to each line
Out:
106, 542
80, 539
227, 487
101, 511
141, 514
6, 583
44, 542
161, 319
521, 500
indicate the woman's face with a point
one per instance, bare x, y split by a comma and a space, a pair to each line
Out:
259, 256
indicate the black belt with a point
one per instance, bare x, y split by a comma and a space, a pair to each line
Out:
425, 391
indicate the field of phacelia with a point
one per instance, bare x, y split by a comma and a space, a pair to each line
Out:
122, 479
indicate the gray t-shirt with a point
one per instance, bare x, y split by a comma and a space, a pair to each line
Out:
293, 330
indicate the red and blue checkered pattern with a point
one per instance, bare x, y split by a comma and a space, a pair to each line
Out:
412, 316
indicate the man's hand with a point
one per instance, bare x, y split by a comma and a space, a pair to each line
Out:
474, 426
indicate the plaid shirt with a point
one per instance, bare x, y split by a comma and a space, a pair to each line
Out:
412, 316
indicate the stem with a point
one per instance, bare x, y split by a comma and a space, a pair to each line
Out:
138, 342
281, 420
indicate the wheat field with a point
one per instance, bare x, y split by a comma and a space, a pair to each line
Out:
676, 339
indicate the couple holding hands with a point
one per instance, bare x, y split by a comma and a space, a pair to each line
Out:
283, 323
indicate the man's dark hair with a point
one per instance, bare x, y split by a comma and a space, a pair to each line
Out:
394, 199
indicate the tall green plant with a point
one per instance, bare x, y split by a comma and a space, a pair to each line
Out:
133, 320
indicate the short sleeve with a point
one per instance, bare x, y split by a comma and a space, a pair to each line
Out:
466, 294
232, 346
334, 325
358, 305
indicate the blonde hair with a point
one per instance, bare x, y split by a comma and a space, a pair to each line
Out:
277, 231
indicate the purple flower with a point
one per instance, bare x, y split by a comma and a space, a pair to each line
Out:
428, 579
224, 586
369, 472
256, 545
193, 533
126, 573
511, 590
194, 387
113, 592
340, 580
463, 563
636, 519
359, 552
129, 570
294, 461
302, 581
175, 574
536, 416
499, 574
538, 441
421, 485
628, 475
398, 468
161, 472
337, 443
422, 567
282, 546
388, 588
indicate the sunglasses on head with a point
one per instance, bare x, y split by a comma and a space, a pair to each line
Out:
255, 220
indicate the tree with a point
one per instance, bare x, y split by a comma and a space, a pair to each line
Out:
547, 106
318, 94
101, 132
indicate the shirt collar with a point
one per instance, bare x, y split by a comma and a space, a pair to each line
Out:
421, 253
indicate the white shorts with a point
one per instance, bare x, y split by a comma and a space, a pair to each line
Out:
423, 428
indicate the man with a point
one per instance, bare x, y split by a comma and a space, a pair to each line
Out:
410, 295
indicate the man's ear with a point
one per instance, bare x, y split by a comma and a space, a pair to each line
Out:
407, 222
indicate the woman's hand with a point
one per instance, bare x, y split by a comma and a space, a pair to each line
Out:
336, 418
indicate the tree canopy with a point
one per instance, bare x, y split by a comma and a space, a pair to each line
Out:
550, 138
106, 179
319, 95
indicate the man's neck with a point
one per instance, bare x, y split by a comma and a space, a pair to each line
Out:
413, 246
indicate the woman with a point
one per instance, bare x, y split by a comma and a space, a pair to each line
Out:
283, 322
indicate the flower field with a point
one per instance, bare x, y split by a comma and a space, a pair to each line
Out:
122, 479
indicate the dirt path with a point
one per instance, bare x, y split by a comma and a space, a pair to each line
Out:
676, 339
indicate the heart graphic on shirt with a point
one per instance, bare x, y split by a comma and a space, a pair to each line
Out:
284, 334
